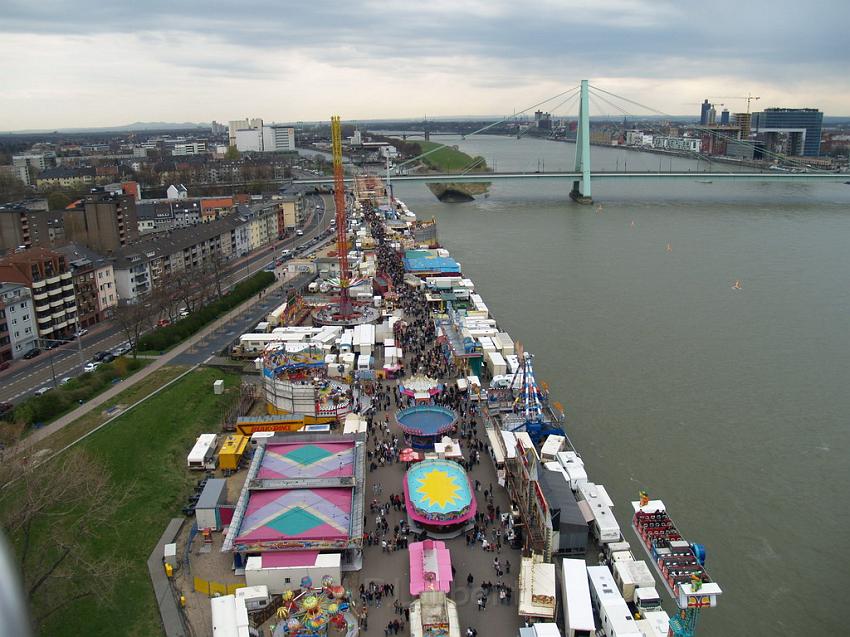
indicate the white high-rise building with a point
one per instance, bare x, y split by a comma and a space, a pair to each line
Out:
278, 138
243, 124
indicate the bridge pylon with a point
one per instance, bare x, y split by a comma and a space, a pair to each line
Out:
581, 191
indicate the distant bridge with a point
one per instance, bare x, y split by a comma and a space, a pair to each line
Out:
702, 176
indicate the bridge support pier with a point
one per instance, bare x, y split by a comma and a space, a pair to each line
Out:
581, 192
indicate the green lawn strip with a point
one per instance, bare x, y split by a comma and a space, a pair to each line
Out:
447, 159
98, 416
65, 398
163, 338
145, 452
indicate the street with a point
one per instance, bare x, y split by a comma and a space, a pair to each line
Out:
24, 377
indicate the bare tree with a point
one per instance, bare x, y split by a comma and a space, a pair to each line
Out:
55, 512
133, 319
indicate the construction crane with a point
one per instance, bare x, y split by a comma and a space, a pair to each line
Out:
345, 307
747, 97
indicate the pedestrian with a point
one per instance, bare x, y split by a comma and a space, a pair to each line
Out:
508, 567
469, 579
480, 603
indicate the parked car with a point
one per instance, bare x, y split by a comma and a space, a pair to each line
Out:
90, 367
5, 365
97, 358
5, 408
300, 233
65, 380
108, 358
81, 332
162, 322
184, 313
122, 349
42, 391
32, 353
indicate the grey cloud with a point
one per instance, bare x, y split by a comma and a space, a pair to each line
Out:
772, 40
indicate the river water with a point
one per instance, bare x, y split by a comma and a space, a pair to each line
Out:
730, 405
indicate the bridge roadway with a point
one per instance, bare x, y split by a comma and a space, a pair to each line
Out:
603, 175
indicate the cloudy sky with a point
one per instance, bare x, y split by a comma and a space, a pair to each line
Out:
83, 63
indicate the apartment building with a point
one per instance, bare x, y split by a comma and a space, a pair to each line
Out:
18, 331
46, 273
94, 283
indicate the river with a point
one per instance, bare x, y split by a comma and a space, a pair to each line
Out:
730, 405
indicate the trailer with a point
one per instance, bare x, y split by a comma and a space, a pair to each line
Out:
202, 456
636, 584
575, 591
604, 525
231, 453
230, 617
614, 615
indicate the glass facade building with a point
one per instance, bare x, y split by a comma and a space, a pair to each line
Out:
802, 126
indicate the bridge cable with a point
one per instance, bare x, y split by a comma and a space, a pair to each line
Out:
707, 130
489, 126
652, 127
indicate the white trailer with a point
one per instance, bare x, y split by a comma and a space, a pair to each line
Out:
496, 363
283, 571
654, 624
614, 615
230, 617
202, 456
636, 583
604, 525
575, 591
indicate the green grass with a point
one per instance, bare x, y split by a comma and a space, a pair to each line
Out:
86, 423
145, 452
65, 398
448, 159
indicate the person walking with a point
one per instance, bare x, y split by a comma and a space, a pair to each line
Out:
469, 579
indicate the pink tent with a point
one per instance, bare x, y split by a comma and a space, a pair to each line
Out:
430, 567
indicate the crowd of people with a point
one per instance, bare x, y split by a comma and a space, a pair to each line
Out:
387, 526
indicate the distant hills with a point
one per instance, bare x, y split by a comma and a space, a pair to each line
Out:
126, 128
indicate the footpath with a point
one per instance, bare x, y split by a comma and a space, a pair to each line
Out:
159, 362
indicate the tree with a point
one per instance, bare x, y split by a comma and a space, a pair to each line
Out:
51, 513
133, 318
232, 153
58, 200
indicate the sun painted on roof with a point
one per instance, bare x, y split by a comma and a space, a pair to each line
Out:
438, 486
438, 489
307, 460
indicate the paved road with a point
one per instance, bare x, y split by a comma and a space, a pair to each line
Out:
25, 377
196, 349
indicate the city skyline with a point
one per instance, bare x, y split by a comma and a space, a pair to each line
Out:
85, 65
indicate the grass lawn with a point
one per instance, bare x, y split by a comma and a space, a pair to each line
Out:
447, 159
86, 423
145, 452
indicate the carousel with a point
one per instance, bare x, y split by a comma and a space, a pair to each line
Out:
296, 381
439, 498
420, 388
316, 612
425, 425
